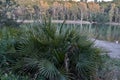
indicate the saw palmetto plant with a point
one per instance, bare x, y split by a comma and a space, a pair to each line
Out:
49, 52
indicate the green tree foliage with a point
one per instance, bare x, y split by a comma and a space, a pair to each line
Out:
70, 10
100, 18
116, 0
6, 8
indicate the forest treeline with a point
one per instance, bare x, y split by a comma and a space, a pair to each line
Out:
67, 10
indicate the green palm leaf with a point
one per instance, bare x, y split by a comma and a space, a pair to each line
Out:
48, 69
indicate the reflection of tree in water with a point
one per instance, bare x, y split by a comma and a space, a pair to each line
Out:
109, 33
99, 31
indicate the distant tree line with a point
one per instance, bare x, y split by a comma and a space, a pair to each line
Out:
68, 10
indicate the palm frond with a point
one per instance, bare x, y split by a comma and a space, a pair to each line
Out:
46, 47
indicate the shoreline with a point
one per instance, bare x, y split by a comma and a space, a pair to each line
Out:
68, 22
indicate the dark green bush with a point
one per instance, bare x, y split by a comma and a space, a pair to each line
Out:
10, 76
48, 52
8, 37
56, 53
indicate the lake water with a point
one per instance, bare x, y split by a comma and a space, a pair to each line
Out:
98, 31
101, 32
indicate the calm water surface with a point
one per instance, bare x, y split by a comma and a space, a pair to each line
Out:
101, 32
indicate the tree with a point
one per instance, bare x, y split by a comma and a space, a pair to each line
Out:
111, 12
83, 0
116, 0
6, 9
82, 7
95, 1
100, 18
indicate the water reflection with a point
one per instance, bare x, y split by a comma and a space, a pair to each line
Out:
102, 32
